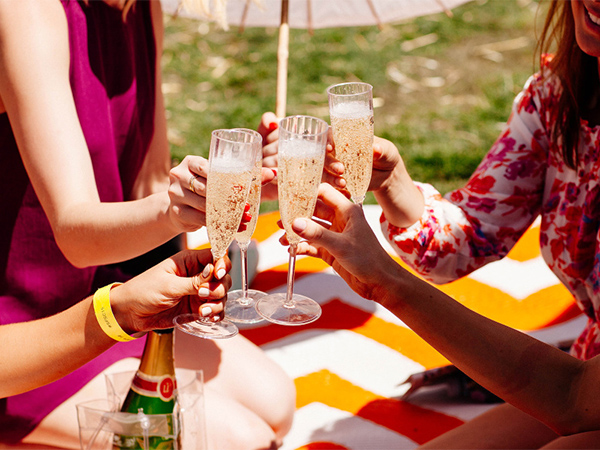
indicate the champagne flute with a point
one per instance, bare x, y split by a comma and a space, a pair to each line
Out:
240, 303
230, 163
351, 114
302, 141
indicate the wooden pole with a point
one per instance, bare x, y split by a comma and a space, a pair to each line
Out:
374, 12
244, 15
282, 61
445, 8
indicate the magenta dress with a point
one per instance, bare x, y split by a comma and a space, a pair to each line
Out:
112, 76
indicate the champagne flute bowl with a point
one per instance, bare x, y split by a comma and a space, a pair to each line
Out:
302, 141
231, 161
352, 123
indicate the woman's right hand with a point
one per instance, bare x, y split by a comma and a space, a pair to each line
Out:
348, 244
187, 193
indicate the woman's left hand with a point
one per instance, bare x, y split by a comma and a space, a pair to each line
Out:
188, 282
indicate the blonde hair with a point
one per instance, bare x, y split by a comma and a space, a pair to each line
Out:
213, 10
127, 5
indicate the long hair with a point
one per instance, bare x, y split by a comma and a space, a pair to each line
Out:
127, 5
578, 75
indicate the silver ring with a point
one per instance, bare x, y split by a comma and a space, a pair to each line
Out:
192, 178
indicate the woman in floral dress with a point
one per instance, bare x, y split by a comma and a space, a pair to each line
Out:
545, 163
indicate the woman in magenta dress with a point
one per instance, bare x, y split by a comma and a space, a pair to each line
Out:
84, 171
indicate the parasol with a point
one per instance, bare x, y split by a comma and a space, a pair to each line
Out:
304, 14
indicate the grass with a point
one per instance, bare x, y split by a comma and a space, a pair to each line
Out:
443, 104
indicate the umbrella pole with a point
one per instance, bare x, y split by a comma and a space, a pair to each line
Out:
282, 61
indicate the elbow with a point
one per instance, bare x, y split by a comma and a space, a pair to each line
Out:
74, 253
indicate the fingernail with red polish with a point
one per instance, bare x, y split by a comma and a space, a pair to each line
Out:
273, 126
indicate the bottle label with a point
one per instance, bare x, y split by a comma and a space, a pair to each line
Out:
163, 387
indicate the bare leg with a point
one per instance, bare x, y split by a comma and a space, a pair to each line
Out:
503, 427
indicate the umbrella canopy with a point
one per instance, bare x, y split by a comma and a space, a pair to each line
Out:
310, 14
304, 14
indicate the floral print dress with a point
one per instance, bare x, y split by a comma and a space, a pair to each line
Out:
523, 176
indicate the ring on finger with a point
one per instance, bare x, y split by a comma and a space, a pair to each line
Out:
192, 178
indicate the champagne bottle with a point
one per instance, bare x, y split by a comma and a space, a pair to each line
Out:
153, 391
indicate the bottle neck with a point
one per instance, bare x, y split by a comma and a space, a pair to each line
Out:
157, 359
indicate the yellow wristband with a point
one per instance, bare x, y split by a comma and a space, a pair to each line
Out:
106, 318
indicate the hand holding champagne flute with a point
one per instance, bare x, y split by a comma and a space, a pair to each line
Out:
302, 141
231, 161
351, 114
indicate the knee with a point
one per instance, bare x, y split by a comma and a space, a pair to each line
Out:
281, 413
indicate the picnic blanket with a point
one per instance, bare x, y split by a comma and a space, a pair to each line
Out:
350, 366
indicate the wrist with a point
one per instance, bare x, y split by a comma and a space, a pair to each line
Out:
392, 284
400, 199
109, 317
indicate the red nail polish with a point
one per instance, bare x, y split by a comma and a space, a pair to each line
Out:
273, 126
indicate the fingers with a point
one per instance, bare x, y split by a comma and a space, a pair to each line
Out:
270, 151
212, 284
268, 124
385, 154
333, 170
268, 175
187, 193
334, 198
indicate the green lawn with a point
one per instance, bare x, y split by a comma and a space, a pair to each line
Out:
443, 104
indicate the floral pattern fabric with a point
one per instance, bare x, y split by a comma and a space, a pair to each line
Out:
522, 177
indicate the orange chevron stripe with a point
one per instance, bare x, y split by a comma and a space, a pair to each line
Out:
528, 246
416, 423
277, 276
266, 226
531, 313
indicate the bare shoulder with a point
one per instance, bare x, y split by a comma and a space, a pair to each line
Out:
25, 15
33, 38
32, 23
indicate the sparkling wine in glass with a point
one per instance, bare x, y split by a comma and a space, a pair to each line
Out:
352, 123
240, 306
230, 165
302, 141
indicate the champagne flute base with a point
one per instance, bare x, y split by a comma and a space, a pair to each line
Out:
303, 310
242, 310
199, 326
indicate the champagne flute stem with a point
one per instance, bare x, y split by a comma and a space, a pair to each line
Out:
289, 299
244, 257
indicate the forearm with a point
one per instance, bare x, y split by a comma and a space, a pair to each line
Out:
399, 198
537, 378
103, 233
39, 352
